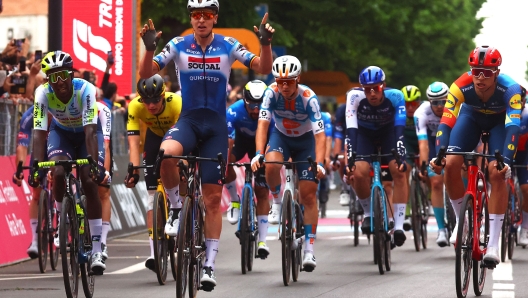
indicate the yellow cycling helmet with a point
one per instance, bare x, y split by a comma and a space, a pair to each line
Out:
56, 59
411, 93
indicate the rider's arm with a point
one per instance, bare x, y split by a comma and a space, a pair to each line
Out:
150, 64
133, 145
133, 131
400, 116
455, 98
105, 117
147, 67
420, 122
90, 119
266, 110
40, 123
513, 121
318, 128
263, 63
352, 105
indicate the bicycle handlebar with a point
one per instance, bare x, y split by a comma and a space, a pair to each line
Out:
308, 160
442, 153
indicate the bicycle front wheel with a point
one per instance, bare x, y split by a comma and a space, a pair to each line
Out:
296, 255
183, 248
505, 231
197, 249
160, 240
69, 247
379, 231
424, 216
88, 280
479, 273
52, 228
42, 230
464, 247
286, 235
416, 221
245, 241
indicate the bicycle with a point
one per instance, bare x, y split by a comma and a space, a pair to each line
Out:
247, 231
48, 222
291, 228
419, 203
512, 217
190, 246
74, 230
164, 244
471, 245
379, 219
449, 216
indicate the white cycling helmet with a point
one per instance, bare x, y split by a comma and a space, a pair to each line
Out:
286, 67
196, 4
437, 90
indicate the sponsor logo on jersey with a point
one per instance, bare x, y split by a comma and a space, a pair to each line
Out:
193, 46
290, 124
307, 93
511, 147
22, 135
199, 63
515, 102
192, 52
438, 133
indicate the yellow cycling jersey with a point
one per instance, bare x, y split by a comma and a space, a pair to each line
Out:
158, 124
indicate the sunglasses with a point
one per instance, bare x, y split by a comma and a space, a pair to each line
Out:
288, 82
252, 106
487, 73
378, 88
150, 100
63, 75
412, 104
436, 103
197, 15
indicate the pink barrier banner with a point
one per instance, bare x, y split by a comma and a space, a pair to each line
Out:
15, 232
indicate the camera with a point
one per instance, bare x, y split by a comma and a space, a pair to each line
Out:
20, 84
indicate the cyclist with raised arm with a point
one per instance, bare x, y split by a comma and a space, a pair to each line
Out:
376, 117
427, 118
242, 120
73, 134
298, 133
159, 110
492, 102
203, 61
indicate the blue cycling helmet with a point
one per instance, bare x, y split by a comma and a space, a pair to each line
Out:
371, 75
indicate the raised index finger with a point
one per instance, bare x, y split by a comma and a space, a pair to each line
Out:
265, 18
151, 24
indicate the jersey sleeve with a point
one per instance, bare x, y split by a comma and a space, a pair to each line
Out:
340, 122
40, 109
268, 103
105, 117
26, 126
398, 102
239, 52
327, 120
230, 119
455, 98
513, 121
89, 105
352, 104
168, 54
314, 112
420, 122
133, 117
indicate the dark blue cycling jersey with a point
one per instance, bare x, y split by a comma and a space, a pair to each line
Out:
239, 122
340, 122
26, 128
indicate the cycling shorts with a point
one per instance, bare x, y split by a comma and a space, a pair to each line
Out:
244, 145
73, 146
369, 140
298, 148
150, 154
209, 129
468, 128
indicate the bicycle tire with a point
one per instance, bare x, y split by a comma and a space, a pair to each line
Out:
296, 255
354, 216
244, 231
159, 239
172, 256
88, 280
479, 273
252, 245
511, 230
424, 216
183, 249
450, 216
53, 227
286, 236
464, 247
69, 247
197, 255
505, 230
416, 222
42, 231
379, 232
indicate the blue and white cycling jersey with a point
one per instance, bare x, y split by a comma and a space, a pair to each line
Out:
327, 120
295, 117
340, 122
361, 115
239, 122
426, 122
26, 128
203, 76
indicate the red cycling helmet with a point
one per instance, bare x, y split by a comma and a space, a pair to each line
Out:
485, 56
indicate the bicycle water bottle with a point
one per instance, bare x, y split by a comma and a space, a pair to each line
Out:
80, 215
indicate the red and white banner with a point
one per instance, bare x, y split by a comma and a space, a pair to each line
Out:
92, 28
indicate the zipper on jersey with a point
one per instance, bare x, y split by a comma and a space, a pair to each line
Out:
205, 80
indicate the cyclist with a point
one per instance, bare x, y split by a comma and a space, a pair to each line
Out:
203, 61
72, 134
492, 102
298, 133
412, 96
242, 119
521, 158
339, 137
427, 118
159, 110
323, 187
376, 116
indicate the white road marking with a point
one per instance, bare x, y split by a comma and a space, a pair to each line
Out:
503, 286
31, 277
130, 269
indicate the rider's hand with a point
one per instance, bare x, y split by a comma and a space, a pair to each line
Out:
435, 168
107, 179
505, 172
18, 180
150, 36
403, 167
50, 177
131, 181
264, 32
255, 164
321, 172
34, 179
335, 165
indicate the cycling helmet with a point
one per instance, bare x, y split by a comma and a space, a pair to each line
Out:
286, 67
371, 75
411, 93
153, 87
437, 90
56, 59
254, 91
485, 56
196, 4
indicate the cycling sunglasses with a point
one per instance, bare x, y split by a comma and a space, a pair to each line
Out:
149, 100
63, 75
252, 106
288, 82
412, 104
378, 88
487, 73
207, 15
436, 103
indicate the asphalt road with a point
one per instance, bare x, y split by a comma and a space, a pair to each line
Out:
342, 270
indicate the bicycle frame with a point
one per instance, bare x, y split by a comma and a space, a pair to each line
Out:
376, 183
248, 180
